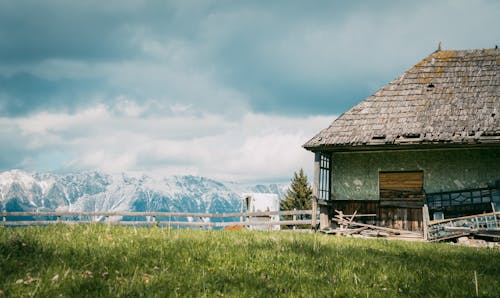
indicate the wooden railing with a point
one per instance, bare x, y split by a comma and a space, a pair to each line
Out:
159, 218
486, 225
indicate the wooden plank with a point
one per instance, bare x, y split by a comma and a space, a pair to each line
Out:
163, 223
354, 231
401, 199
42, 222
401, 218
344, 231
458, 235
471, 230
401, 179
397, 194
401, 185
157, 214
434, 222
401, 204
314, 212
443, 229
361, 215
386, 216
425, 217
352, 217
317, 160
363, 207
395, 231
483, 234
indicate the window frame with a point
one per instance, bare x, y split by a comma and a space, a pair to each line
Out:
325, 169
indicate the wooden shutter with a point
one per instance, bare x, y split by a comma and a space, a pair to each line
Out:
401, 185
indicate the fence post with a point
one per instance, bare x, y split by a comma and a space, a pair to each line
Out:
425, 219
314, 212
294, 218
241, 211
202, 227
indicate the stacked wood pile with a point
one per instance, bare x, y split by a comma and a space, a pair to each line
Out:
347, 226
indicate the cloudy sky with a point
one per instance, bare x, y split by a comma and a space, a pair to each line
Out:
224, 89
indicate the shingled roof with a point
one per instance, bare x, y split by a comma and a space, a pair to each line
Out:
450, 97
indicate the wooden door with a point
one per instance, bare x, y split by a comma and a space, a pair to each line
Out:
401, 199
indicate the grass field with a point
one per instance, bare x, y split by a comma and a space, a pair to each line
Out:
95, 261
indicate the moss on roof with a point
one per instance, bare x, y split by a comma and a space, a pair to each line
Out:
448, 97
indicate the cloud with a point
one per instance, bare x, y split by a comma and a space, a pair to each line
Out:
284, 57
310, 62
220, 88
23, 93
255, 147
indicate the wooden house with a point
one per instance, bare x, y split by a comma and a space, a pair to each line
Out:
431, 136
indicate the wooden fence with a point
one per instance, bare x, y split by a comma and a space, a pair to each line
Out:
485, 225
159, 218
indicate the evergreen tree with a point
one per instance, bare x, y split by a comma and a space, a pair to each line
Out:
299, 195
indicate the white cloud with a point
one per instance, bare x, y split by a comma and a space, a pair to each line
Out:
250, 147
179, 108
179, 92
126, 107
45, 122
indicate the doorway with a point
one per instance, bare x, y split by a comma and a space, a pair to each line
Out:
401, 199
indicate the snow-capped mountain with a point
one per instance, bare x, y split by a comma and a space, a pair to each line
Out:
95, 191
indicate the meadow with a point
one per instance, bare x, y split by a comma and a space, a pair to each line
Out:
94, 260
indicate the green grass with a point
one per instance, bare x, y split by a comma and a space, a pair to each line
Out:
94, 260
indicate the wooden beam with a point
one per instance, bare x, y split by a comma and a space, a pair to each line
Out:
434, 222
314, 215
157, 214
471, 230
164, 223
317, 160
395, 231
352, 217
324, 220
315, 190
67, 218
425, 219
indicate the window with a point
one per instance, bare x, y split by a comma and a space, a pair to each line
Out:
324, 177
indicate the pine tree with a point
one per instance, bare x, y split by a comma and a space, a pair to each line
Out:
299, 195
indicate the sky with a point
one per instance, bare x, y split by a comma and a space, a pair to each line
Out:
224, 89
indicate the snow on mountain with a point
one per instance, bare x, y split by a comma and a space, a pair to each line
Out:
95, 191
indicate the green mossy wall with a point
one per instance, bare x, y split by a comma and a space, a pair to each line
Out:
355, 175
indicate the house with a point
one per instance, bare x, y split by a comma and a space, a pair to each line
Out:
262, 202
431, 136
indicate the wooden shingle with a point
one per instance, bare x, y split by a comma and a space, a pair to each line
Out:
449, 97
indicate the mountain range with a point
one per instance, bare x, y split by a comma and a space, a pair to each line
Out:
96, 191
